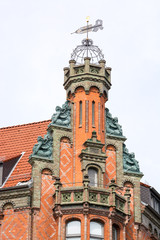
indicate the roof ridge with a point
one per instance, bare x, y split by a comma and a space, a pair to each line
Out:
19, 125
144, 184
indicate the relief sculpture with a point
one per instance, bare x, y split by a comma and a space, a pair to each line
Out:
129, 161
112, 125
44, 146
62, 116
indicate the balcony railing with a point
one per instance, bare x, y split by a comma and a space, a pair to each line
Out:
96, 196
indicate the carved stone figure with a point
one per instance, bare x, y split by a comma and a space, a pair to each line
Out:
112, 125
129, 161
44, 147
62, 116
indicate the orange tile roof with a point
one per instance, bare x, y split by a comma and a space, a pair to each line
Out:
15, 140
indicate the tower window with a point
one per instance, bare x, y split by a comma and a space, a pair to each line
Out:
73, 230
93, 176
96, 231
102, 118
93, 113
80, 113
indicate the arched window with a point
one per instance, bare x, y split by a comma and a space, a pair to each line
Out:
73, 230
150, 227
96, 230
115, 232
155, 232
80, 113
93, 113
93, 176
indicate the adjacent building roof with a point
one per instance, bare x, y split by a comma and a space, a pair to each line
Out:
16, 145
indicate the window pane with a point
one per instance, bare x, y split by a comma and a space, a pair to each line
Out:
80, 113
115, 232
93, 113
92, 173
73, 238
94, 238
74, 227
96, 229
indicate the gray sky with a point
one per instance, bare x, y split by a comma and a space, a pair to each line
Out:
35, 45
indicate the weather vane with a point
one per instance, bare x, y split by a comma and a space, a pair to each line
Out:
90, 27
87, 49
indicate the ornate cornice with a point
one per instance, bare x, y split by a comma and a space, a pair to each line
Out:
134, 174
15, 193
34, 158
121, 138
63, 128
89, 78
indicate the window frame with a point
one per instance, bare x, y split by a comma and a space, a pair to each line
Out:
70, 236
80, 114
117, 228
94, 236
93, 113
97, 173
155, 203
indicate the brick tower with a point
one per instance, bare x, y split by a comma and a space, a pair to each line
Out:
87, 88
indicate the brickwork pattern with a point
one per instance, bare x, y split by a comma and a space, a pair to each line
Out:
144, 235
66, 163
46, 226
110, 165
15, 225
131, 233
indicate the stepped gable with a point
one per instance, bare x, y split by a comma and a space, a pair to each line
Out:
15, 140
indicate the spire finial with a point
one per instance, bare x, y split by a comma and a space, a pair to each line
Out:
87, 49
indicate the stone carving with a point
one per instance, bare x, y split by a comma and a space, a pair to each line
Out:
94, 70
92, 197
119, 205
78, 196
129, 161
44, 147
112, 125
62, 116
66, 197
79, 70
103, 198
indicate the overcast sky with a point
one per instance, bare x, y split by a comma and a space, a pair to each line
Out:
35, 46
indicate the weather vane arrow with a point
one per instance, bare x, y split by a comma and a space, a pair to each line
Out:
90, 27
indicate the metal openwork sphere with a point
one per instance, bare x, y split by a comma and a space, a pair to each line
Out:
87, 49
